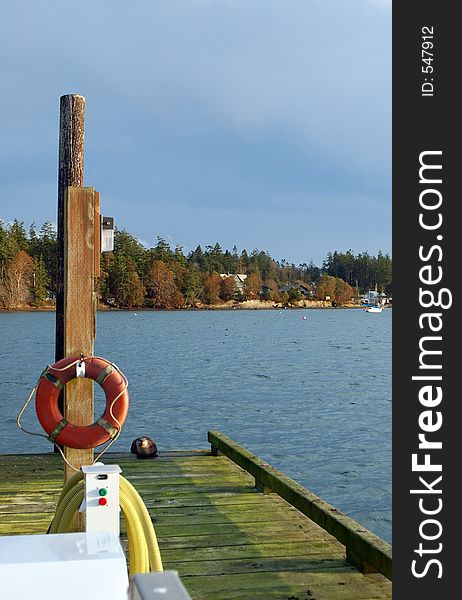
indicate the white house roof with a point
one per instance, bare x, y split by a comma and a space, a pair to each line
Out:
238, 276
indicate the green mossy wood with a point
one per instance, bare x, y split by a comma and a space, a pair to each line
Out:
224, 537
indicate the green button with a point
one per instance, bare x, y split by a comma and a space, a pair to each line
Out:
103, 492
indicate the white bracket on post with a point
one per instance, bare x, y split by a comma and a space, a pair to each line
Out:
107, 234
101, 501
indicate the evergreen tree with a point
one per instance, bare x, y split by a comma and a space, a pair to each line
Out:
129, 247
162, 251
46, 247
192, 286
126, 273
196, 258
18, 237
41, 282
125, 284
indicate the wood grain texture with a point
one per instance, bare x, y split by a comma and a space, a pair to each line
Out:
364, 549
70, 173
226, 539
81, 216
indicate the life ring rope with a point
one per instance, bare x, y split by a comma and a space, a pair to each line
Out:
112, 429
102, 422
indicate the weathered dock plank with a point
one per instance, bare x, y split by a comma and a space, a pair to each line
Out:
363, 548
226, 539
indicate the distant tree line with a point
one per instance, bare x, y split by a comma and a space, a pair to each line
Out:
362, 271
162, 277
28, 264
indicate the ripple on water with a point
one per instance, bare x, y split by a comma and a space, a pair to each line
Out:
296, 395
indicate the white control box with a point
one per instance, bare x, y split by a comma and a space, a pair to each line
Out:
101, 501
63, 566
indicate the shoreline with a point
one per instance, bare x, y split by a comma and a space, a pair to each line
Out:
246, 305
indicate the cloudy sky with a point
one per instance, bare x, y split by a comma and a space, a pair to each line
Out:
260, 123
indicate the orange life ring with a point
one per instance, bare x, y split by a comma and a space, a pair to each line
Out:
55, 377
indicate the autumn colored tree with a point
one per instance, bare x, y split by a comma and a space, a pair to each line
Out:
211, 288
127, 271
272, 284
343, 291
16, 280
134, 291
252, 286
227, 288
326, 287
162, 288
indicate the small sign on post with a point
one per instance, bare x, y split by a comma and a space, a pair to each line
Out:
107, 234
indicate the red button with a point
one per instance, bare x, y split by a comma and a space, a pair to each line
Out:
102, 501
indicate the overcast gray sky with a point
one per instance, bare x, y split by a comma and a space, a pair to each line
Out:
260, 123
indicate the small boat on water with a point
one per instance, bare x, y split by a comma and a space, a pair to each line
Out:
374, 309
377, 306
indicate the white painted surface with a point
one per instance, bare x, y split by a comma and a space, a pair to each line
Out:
64, 566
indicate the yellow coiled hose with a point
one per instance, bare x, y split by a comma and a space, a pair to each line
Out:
143, 549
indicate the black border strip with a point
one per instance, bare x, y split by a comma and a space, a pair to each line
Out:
424, 123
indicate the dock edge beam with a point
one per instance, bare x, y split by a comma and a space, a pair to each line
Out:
364, 550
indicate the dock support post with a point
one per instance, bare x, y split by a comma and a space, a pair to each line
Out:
81, 229
70, 173
78, 267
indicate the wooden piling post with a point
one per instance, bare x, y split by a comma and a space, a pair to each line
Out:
81, 222
78, 268
70, 173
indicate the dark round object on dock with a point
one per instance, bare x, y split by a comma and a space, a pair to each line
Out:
144, 447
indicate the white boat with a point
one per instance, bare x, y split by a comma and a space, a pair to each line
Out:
377, 308
374, 309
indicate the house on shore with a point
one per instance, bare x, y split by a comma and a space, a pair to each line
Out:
239, 280
305, 290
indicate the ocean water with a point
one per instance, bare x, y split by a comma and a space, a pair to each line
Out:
310, 396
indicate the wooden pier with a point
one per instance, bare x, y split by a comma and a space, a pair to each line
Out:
225, 528
230, 524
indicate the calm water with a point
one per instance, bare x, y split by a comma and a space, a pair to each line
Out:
312, 397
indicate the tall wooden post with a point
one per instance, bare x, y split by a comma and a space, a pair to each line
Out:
78, 262
70, 173
81, 266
